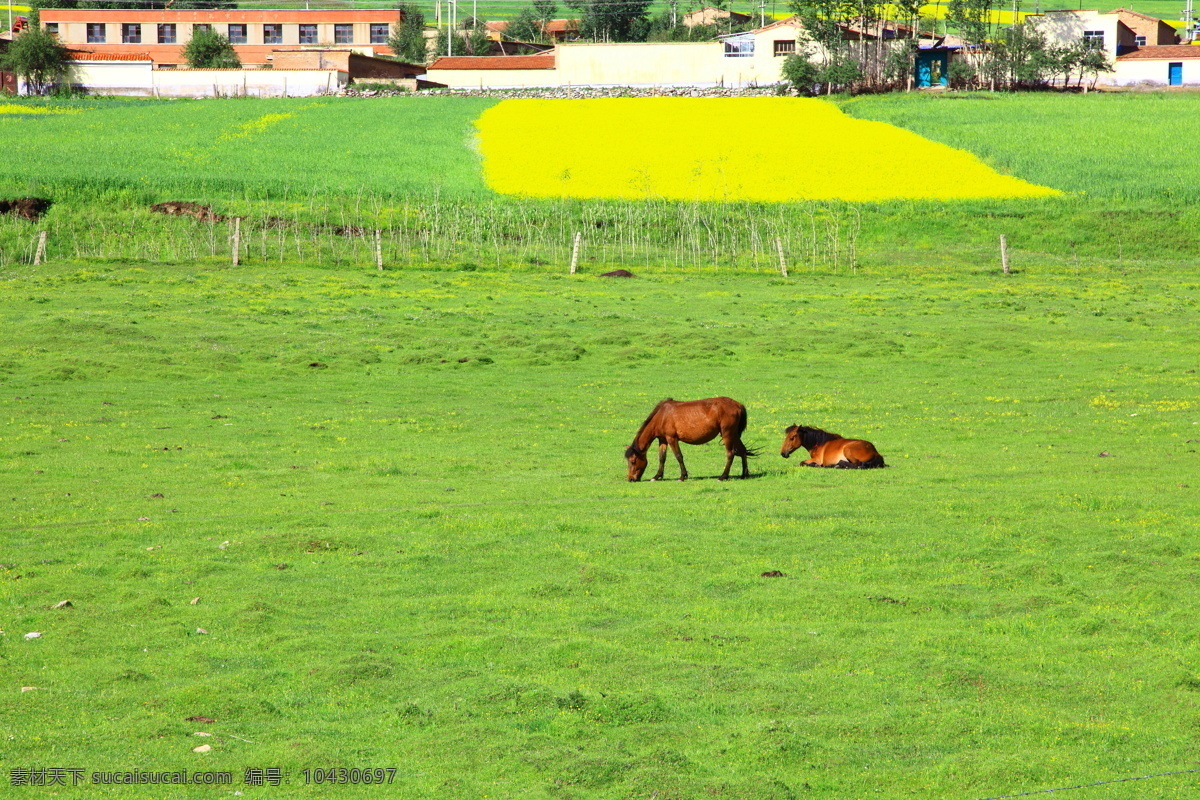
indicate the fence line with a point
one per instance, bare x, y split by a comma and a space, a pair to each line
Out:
661, 235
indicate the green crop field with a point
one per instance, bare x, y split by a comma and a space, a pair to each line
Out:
313, 515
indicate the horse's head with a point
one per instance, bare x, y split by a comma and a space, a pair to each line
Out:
798, 436
637, 462
792, 441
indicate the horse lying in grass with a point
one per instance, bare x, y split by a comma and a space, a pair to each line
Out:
830, 449
691, 422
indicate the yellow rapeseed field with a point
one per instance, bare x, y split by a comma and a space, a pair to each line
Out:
768, 149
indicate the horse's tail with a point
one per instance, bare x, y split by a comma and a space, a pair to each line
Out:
742, 420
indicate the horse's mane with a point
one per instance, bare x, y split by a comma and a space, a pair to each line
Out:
633, 445
817, 436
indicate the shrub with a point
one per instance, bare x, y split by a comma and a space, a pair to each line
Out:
208, 49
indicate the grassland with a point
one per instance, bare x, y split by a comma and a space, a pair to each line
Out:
369, 519
409, 167
400, 502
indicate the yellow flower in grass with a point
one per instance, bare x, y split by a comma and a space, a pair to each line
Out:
767, 149
17, 108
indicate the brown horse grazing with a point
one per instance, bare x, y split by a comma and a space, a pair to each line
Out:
692, 422
829, 449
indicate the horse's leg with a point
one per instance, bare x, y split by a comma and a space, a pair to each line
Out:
728, 461
741, 448
662, 460
683, 474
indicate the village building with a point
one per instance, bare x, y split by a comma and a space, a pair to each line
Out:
1165, 65
254, 34
1142, 50
714, 16
555, 30
753, 58
1114, 32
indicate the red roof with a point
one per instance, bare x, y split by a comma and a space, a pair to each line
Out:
553, 26
86, 55
1161, 51
540, 61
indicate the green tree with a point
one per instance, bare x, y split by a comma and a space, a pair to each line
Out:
899, 65
801, 74
840, 73
36, 56
822, 21
470, 39
208, 49
407, 40
545, 10
526, 26
613, 20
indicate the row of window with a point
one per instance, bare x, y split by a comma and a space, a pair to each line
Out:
272, 33
1095, 40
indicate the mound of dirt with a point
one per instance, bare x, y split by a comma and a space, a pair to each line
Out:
179, 208
30, 208
618, 273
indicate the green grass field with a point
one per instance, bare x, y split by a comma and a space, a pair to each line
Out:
363, 519
400, 500
409, 166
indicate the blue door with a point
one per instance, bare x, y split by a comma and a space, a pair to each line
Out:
924, 71
1175, 73
931, 69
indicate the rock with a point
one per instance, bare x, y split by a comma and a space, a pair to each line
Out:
204, 748
62, 604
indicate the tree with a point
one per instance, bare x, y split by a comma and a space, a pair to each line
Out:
407, 40
471, 39
822, 21
36, 56
545, 10
526, 26
208, 49
613, 20
802, 74
840, 72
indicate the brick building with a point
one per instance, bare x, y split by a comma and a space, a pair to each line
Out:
254, 34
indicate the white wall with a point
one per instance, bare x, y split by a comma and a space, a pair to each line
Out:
1152, 72
495, 78
140, 79
247, 82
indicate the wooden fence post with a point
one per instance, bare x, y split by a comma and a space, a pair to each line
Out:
575, 252
237, 241
379, 249
39, 255
1004, 253
782, 261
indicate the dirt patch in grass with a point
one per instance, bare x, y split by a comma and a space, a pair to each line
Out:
177, 208
30, 208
